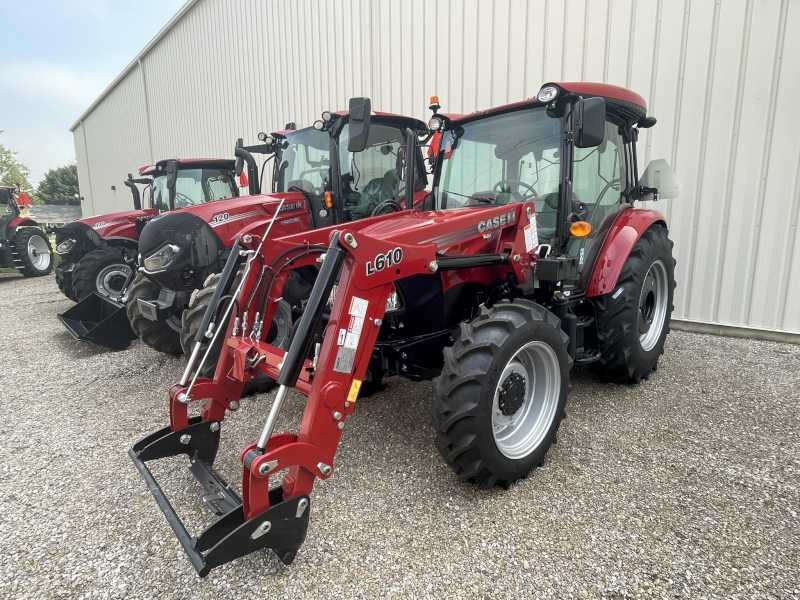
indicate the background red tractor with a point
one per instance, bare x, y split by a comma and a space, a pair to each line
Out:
97, 252
23, 244
528, 256
315, 183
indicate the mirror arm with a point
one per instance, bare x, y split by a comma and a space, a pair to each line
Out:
410, 164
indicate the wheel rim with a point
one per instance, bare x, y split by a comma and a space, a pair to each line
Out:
111, 280
525, 400
38, 252
653, 305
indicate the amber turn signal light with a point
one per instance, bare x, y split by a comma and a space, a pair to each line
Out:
580, 229
328, 201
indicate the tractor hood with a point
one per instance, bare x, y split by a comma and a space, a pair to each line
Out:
114, 225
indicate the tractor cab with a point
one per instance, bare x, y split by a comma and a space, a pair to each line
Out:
178, 183
364, 175
571, 150
8, 209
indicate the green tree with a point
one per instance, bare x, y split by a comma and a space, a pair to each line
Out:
59, 186
12, 171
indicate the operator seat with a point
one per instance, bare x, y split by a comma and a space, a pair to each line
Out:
375, 192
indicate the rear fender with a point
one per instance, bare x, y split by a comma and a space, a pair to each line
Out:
622, 237
22, 222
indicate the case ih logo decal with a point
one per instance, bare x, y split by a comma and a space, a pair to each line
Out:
223, 218
384, 261
294, 206
498, 221
99, 225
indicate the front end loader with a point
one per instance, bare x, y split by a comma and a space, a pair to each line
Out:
493, 286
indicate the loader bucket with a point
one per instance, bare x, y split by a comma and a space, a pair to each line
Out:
101, 321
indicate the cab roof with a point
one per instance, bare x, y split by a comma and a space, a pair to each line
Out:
219, 163
626, 103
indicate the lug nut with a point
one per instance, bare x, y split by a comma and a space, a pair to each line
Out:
183, 397
341, 424
185, 438
247, 238
337, 415
233, 405
433, 266
215, 426
378, 322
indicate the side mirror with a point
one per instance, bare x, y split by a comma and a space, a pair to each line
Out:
590, 122
239, 165
659, 176
3, 196
172, 173
400, 164
360, 117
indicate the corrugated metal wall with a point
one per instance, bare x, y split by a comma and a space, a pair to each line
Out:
721, 76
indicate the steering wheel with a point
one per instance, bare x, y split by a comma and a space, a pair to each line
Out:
500, 183
381, 208
186, 200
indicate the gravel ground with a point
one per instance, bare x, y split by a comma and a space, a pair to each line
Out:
683, 486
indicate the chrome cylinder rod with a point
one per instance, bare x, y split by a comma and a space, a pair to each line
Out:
273, 417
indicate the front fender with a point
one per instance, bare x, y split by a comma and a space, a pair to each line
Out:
622, 237
22, 222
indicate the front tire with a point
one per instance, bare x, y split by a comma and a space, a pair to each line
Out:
103, 271
33, 251
501, 395
633, 320
159, 335
64, 280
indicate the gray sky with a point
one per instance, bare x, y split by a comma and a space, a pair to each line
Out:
57, 58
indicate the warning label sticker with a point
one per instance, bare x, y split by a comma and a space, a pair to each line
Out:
356, 325
345, 357
351, 341
531, 235
342, 335
352, 395
358, 307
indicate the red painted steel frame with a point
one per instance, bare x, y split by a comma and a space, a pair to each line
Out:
422, 237
621, 238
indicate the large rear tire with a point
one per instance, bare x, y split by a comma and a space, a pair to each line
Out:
34, 252
501, 395
103, 270
64, 280
633, 320
162, 336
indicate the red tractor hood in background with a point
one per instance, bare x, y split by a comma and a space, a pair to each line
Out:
247, 214
120, 224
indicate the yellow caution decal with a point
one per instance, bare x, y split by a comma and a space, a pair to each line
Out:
352, 395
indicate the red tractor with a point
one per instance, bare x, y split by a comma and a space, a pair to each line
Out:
97, 252
315, 183
527, 257
23, 244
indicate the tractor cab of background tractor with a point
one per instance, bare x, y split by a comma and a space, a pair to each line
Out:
99, 253
316, 182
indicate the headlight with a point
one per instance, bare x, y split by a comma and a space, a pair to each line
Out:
66, 246
327, 116
319, 125
547, 94
162, 258
435, 124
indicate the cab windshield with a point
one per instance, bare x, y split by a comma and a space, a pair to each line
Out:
193, 186
304, 163
498, 160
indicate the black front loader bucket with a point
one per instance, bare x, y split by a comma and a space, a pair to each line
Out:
99, 320
281, 528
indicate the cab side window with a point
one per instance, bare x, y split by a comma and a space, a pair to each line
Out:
599, 176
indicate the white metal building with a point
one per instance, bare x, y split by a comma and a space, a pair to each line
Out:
721, 76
